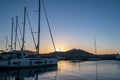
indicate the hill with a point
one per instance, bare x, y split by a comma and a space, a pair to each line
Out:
71, 54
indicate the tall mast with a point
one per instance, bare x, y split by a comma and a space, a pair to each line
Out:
95, 46
16, 33
12, 33
6, 43
38, 45
23, 39
96, 60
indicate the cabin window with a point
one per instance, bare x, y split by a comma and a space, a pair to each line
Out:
50, 61
30, 62
45, 61
38, 62
9, 62
15, 62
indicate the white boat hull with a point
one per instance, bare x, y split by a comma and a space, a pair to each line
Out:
27, 62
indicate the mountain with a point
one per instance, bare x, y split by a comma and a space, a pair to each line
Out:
78, 52
71, 54
68, 55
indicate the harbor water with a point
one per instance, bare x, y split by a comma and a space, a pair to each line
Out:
68, 70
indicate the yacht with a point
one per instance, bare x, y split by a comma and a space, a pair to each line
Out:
18, 59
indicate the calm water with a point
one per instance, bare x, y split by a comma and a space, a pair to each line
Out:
68, 70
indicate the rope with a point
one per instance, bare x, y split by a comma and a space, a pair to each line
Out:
18, 38
31, 29
48, 25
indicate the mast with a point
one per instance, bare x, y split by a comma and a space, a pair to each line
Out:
16, 33
12, 33
6, 43
96, 60
38, 44
95, 45
23, 39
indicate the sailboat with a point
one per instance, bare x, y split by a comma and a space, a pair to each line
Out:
24, 62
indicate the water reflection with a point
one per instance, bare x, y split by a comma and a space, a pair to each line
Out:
86, 70
68, 70
21, 74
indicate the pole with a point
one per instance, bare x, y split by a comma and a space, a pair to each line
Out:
23, 39
12, 33
6, 43
38, 45
16, 32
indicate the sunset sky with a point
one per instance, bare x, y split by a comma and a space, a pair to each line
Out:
74, 24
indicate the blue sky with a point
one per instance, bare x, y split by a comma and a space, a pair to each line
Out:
74, 23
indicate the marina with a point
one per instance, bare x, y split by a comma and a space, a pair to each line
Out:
59, 40
68, 70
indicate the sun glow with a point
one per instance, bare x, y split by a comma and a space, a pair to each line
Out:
58, 49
